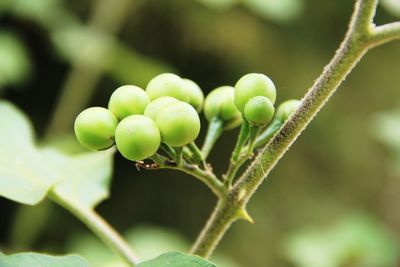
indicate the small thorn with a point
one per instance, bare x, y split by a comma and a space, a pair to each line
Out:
243, 214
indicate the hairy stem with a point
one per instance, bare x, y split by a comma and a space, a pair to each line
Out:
99, 227
360, 36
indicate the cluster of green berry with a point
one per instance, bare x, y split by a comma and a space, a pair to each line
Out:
166, 114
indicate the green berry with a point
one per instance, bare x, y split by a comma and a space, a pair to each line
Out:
286, 108
95, 128
157, 105
128, 100
251, 85
220, 104
259, 111
179, 124
137, 137
196, 96
167, 84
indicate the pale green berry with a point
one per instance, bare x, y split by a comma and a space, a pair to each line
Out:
128, 100
167, 84
137, 137
259, 111
251, 85
179, 124
196, 96
95, 128
285, 109
158, 104
219, 103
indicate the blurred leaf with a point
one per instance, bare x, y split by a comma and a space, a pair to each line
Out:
219, 4
49, 14
386, 128
391, 6
83, 44
100, 50
41, 260
28, 172
147, 241
357, 241
280, 11
176, 259
15, 64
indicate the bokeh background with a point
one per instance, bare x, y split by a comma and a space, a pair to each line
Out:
332, 201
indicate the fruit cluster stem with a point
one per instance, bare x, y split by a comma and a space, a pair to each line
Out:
361, 36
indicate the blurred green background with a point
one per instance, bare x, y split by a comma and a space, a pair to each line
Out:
339, 184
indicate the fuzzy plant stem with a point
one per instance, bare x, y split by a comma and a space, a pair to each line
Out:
100, 227
361, 36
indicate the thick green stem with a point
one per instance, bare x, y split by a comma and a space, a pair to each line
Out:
214, 131
359, 38
99, 227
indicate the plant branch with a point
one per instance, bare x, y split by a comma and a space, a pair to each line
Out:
358, 40
206, 176
99, 227
385, 33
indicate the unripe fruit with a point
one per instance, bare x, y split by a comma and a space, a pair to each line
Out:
179, 124
196, 96
167, 84
157, 105
258, 111
137, 137
95, 128
219, 103
128, 100
251, 85
286, 108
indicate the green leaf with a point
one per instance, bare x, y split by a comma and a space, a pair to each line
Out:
23, 176
27, 172
85, 178
41, 260
354, 241
177, 259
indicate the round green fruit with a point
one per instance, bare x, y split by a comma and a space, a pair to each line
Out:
167, 84
251, 85
128, 100
196, 96
220, 104
259, 111
137, 137
285, 109
179, 124
157, 105
95, 128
